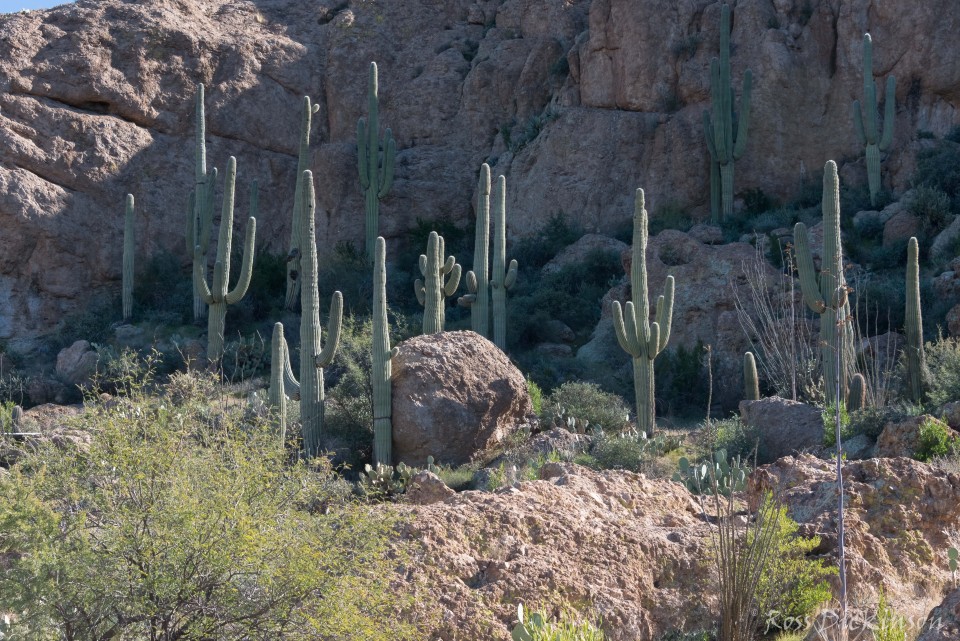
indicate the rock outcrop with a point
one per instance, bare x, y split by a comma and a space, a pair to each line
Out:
783, 427
943, 623
455, 395
577, 102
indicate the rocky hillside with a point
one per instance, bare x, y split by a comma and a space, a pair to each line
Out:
577, 102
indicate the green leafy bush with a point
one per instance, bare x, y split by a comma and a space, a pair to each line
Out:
587, 401
681, 378
536, 396
536, 251
732, 435
174, 523
935, 441
943, 361
569, 627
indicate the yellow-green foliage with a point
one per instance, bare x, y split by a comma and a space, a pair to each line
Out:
569, 627
890, 626
180, 521
792, 586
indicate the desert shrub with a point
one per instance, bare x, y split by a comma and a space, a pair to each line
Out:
569, 626
669, 215
536, 396
588, 402
92, 323
268, 286
889, 625
935, 441
347, 271
939, 168
533, 252
681, 379
943, 361
756, 201
348, 420
734, 436
163, 290
245, 358
169, 526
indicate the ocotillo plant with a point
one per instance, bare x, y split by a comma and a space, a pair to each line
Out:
129, 247
312, 358
303, 163
441, 279
217, 296
502, 277
916, 360
857, 398
381, 372
200, 211
726, 140
826, 293
751, 384
478, 284
865, 119
376, 177
639, 337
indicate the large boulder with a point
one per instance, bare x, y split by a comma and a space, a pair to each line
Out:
455, 395
943, 623
77, 364
784, 427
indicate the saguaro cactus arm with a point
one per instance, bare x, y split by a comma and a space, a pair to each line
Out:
334, 324
246, 267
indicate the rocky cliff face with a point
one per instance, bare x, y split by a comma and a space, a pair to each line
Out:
577, 102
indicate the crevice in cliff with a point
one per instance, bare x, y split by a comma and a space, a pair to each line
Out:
41, 176
92, 107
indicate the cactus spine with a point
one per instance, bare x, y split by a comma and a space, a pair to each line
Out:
726, 140
200, 211
217, 296
129, 247
751, 384
827, 295
637, 336
478, 279
916, 361
441, 279
857, 398
303, 163
312, 358
865, 120
376, 178
502, 277
381, 373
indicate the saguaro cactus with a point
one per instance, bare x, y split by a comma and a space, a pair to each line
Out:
502, 277
129, 248
857, 398
376, 178
303, 163
865, 119
441, 279
200, 210
381, 372
312, 358
916, 360
751, 383
217, 296
726, 140
277, 396
478, 283
637, 336
826, 293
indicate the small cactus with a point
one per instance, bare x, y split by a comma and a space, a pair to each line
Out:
129, 248
502, 277
441, 277
857, 397
218, 296
751, 383
865, 119
303, 163
376, 177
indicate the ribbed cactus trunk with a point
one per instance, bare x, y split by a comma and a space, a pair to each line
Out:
376, 178
381, 372
916, 360
637, 336
441, 277
865, 119
218, 296
826, 293
200, 211
129, 249
478, 279
303, 164
312, 358
502, 277
857, 398
276, 396
751, 382
726, 140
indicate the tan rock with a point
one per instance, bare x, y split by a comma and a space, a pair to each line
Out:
943, 623
455, 395
580, 250
784, 427
902, 438
77, 364
426, 488
899, 228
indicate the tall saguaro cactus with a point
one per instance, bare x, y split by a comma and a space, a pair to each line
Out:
129, 249
502, 277
865, 119
478, 279
441, 278
381, 372
200, 210
312, 358
826, 293
726, 139
376, 177
217, 296
303, 163
916, 360
637, 336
